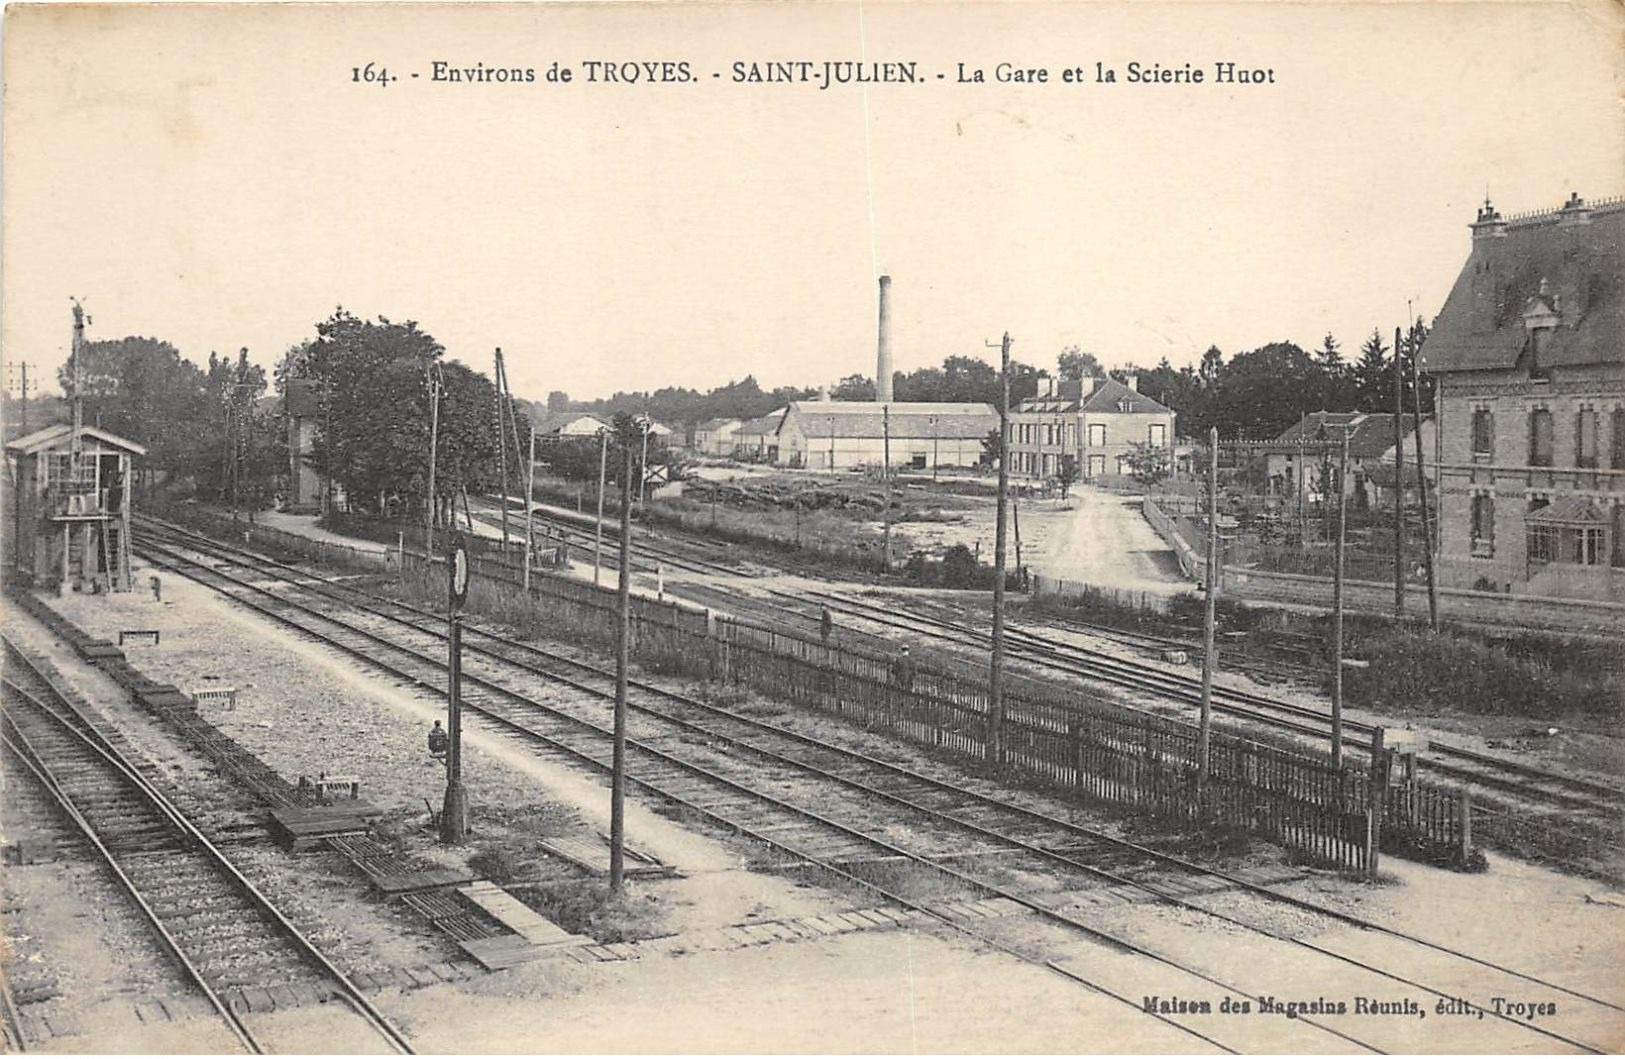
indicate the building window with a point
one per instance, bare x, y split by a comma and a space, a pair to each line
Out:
1618, 557
1483, 433
1158, 435
1540, 438
1097, 435
1588, 546
1097, 465
1617, 439
1483, 528
1543, 543
1585, 439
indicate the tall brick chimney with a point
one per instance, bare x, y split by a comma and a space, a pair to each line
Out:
883, 356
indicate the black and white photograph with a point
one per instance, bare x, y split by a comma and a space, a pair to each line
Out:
815, 527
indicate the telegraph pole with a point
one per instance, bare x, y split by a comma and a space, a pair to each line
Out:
643, 464
1210, 615
598, 526
885, 470
617, 789
1337, 611
1427, 515
502, 453
995, 673
1399, 476
1303, 517
934, 448
513, 425
22, 414
530, 521
435, 377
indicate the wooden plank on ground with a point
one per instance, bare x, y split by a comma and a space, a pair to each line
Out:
518, 916
500, 953
594, 857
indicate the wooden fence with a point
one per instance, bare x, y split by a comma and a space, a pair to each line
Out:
1066, 740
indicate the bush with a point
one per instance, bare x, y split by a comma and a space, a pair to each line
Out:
1425, 670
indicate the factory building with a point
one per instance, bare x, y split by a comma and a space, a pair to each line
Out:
842, 435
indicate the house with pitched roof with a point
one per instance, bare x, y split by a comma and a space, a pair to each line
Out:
758, 439
1295, 461
715, 437
1529, 356
1097, 421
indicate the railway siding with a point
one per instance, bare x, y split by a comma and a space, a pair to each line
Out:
1090, 748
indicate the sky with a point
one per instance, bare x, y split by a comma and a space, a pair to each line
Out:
216, 177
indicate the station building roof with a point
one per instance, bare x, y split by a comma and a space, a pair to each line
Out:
1560, 267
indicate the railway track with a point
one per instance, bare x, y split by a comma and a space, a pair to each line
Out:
685, 749
1459, 764
222, 932
1456, 763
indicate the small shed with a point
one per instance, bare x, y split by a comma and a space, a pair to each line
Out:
71, 511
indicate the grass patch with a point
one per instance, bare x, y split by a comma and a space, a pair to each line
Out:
1421, 670
586, 906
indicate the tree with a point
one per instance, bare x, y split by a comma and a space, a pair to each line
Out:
1330, 355
1073, 363
1211, 366
141, 389
992, 449
852, 388
1263, 391
1067, 473
1148, 464
373, 438
558, 401
1372, 376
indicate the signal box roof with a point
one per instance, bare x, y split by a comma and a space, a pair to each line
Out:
58, 436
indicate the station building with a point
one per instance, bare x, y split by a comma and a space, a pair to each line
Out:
1528, 356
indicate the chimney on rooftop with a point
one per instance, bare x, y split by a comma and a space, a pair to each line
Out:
883, 356
1086, 386
1132, 381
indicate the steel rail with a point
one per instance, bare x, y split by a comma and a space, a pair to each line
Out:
24, 751
916, 777
1237, 702
352, 591
919, 860
18, 1040
81, 726
1245, 705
